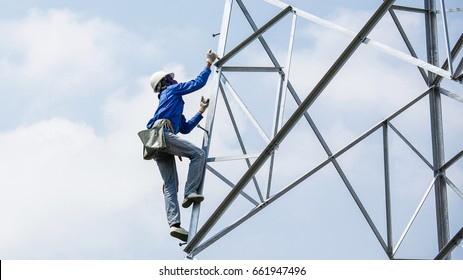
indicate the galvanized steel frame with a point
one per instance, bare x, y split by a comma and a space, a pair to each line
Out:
430, 70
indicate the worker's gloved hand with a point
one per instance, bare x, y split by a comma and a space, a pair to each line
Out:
211, 56
203, 104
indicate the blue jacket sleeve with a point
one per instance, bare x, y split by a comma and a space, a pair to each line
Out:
193, 85
187, 126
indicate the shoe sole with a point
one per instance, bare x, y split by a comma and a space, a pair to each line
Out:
180, 236
187, 203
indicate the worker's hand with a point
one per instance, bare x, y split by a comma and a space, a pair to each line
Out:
203, 104
211, 57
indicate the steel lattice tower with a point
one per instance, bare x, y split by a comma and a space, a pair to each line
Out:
257, 180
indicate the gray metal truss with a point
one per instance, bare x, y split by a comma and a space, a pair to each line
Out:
433, 74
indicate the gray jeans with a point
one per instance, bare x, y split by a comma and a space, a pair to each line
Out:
168, 169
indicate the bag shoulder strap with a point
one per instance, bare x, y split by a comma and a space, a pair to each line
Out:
161, 123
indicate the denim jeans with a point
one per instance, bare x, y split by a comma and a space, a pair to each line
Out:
168, 169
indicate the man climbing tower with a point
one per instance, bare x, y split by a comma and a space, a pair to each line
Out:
170, 107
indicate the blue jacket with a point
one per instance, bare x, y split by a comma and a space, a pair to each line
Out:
171, 104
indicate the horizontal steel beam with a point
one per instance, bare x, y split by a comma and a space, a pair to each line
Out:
254, 36
229, 158
250, 69
409, 9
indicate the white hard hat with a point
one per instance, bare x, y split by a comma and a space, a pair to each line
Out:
157, 77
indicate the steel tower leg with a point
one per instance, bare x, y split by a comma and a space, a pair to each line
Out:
210, 117
437, 128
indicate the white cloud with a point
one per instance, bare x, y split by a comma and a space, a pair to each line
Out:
62, 181
57, 62
55, 44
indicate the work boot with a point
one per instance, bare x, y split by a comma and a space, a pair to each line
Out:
180, 233
192, 197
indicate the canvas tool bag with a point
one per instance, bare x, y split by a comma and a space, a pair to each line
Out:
153, 139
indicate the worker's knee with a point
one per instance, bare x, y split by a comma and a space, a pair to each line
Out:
197, 154
200, 155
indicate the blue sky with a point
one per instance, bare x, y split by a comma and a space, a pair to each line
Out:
74, 92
